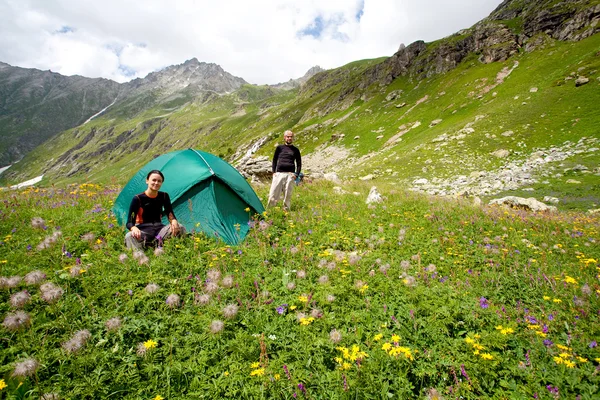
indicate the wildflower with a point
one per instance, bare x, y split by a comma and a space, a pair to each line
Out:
50, 293
483, 302
19, 299
593, 344
433, 394
323, 279
258, 372
410, 281
386, 346
214, 275
281, 309
395, 338
330, 298
88, 237
34, 277
25, 368
377, 337
113, 324
211, 287
143, 260
173, 300
141, 350
359, 284
159, 251
216, 326
306, 320
158, 397
301, 274
136, 255
230, 311
507, 331
335, 336
331, 265
2, 384
384, 268
12, 282
152, 288
316, 313
291, 286
487, 356
77, 342
201, 299
227, 281
150, 344
255, 364
16, 321
38, 223
303, 298
557, 301
76, 270
123, 257
585, 289
405, 264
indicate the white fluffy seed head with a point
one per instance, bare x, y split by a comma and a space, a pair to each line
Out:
152, 288
16, 321
25, 368
216, 326
335, 336
35, 277
230, 311
173, 300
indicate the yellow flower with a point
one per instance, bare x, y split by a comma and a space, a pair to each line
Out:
569, 364
564, 355
560, 346
303, 299
150, 344
499, 327
569, 279
255, 365
158, 397
293, 307
364, 288
226, 373
478, 346
306, 321
2, 384
395, 338
558, 360
345, 366
557, 300
581, 359
487, 356
507, 331
469, 340
386, 346
378, 337
546, 297
277, 377
258, 372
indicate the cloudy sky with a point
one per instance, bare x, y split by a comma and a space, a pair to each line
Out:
262, 41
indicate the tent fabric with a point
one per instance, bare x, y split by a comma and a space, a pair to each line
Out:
207, 193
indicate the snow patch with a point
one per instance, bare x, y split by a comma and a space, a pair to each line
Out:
28, 183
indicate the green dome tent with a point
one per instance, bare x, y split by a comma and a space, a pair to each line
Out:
207, 193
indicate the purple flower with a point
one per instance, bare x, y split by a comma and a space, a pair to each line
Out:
29, 247
548, 343
550, 317
281, 309
531, 319
301, 387
483, 302
593, 344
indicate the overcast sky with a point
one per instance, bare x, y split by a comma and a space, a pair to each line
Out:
262, 41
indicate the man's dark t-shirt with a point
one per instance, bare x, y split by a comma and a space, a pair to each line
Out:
287, 159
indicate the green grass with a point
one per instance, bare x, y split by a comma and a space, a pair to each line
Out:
427, 295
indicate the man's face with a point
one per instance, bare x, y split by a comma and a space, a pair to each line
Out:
289, 138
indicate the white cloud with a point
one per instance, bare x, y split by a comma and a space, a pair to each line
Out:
260, 40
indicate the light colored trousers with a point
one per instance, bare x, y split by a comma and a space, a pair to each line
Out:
165, 233
282, 182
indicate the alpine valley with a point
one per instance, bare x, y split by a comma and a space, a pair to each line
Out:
508, 106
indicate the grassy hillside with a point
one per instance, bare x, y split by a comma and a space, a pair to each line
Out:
411, 298
437, 128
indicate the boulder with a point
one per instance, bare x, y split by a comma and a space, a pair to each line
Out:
522, 203
374, 196
582, 80
550, 199
501, 153
332, 177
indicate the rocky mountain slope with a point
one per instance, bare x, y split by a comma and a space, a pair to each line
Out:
504, 107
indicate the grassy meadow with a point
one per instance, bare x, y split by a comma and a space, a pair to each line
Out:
409, 298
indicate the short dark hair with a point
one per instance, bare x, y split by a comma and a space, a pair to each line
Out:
155, 171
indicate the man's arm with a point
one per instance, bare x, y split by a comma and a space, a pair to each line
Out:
298, 162
275, 158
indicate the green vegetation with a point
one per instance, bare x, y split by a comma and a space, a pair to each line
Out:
405, 299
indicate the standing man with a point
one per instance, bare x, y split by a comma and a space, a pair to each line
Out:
287, 164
